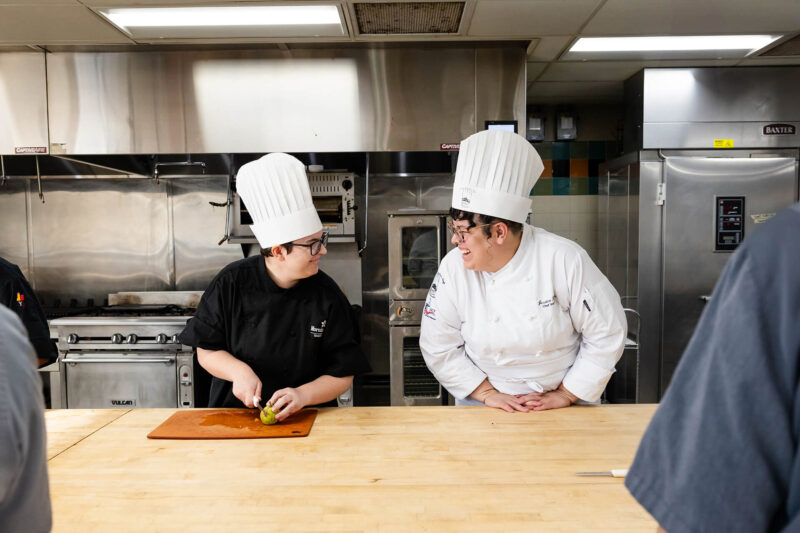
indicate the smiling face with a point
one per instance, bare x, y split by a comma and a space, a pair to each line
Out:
475, 247
486, 243
299, 262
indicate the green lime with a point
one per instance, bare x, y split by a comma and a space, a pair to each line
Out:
268, 416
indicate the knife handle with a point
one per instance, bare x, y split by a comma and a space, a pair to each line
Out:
619, 472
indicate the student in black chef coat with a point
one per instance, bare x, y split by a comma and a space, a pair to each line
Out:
274, 325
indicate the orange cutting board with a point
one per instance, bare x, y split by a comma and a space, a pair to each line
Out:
231, 424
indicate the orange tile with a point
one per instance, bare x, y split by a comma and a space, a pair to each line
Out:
578, 168
548, 168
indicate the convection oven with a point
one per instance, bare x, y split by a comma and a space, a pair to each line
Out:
418, 240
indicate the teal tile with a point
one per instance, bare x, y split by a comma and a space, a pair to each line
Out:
597, 150
578, 150
578, 186
592, 185
543, 187
545, 150
561, 186
560, 150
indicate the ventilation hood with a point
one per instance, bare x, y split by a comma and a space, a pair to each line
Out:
314, 99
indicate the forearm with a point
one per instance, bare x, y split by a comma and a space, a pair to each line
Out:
324, 389
482, 391
221, 364
564, 393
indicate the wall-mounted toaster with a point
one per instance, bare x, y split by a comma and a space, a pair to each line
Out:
333, 195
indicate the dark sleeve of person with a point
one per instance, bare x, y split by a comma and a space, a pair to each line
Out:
341, 349
31, 314
208, 328
24, 486
721, 451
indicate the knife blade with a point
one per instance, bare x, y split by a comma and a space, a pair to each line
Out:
617, 472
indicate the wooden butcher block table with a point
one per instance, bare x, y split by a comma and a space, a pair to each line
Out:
359, 469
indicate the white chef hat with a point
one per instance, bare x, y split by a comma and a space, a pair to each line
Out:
276, 193
495, 173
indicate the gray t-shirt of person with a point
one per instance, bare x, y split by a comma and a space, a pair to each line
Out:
24, 486
722, 450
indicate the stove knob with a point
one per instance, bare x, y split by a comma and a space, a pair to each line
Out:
116, 338
161, 338
175, 339
72, 338
132, 338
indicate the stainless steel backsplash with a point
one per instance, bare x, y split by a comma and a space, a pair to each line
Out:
92, 237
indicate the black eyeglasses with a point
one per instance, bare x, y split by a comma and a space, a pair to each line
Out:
461, 233
316, 245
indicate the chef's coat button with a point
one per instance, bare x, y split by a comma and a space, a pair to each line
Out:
492, 282
496, 319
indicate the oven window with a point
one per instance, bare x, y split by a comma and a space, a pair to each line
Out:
244, 217
420, 257
329, 209
418, 382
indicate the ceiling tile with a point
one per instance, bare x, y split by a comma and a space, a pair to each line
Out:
769, 61
618, 70
549, 48
570, 92
531, 18
591, 71
153, 3
55, 25
29, 3
532, 70
686, 17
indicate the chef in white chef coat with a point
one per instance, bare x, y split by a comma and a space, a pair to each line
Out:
516, 318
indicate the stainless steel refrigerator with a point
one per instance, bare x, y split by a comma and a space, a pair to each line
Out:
668, 224
711, 155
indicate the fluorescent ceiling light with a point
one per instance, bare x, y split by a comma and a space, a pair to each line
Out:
672, 43
174, 17
230, 23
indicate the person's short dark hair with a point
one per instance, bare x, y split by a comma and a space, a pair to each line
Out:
267, 252
476, 219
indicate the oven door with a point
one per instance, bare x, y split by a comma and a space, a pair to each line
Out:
120, 380
415, 251
410, 380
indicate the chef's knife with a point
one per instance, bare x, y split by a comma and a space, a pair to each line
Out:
617, 472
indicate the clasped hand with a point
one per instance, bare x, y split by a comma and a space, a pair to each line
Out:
534, 401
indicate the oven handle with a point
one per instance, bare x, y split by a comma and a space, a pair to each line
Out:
166, 360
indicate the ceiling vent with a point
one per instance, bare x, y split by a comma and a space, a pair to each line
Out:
786, 48
391, 18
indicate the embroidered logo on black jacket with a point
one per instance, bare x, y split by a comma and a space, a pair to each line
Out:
317, 331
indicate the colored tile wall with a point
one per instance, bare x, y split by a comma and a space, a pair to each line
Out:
573, 217
572, 168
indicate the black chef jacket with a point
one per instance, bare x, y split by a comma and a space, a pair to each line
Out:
289, 337
17, 294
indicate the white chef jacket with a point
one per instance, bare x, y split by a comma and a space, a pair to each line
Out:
549, 315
